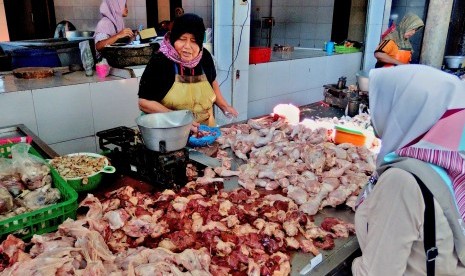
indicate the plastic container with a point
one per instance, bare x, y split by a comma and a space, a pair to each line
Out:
259, 55
44, 220
205, 140
329, 47
94, 179
29, 57
345, 135
102, 70
341, 49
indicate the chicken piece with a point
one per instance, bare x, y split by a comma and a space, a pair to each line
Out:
247, 184
307, 246
213, 225
297, 194
314, 159
253, 269
292, 243
93, 245
223, 172
180, 203
223, 248
95, 207
339, 195
291, 228
244, 229
224, 208
231, 221
117, 218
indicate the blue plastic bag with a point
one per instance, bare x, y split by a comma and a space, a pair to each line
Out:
205, 140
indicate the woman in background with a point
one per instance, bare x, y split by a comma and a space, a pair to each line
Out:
396, 49
111, 27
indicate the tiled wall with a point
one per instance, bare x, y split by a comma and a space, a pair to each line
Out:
84, 14
302, 23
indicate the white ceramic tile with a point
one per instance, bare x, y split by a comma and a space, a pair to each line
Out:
375, 12
315, 94
299, 75
86, 144
323, 31
293, 30
223, 46
278, 77
223, 13
318, 76
258, 81
241, 35
224, 80
63, 113
325, 15
114, 103
17, 108
241, 17
188, 3
240, 92
310, 14
257, 108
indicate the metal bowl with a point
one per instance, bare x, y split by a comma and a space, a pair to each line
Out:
362, 80
167, 131
454, 62
72, 35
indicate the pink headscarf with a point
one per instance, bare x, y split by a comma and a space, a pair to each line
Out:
168, 50
112, 17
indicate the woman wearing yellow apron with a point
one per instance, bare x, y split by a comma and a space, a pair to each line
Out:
396, 49
182, 75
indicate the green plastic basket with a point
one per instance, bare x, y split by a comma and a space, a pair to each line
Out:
341, 49
44, 220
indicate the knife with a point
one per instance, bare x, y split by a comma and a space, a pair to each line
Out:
313, 263
203, 159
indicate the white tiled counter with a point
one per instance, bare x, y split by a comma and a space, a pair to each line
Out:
297, 81
66, 111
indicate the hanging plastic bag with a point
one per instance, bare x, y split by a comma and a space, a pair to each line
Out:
34, 171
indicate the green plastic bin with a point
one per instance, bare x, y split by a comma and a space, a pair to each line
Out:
43, 220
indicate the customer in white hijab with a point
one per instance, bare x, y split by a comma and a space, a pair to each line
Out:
419, 113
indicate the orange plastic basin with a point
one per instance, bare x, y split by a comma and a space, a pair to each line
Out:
344, 135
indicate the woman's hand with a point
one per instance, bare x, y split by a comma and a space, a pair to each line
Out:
127, 32
195, 127
230, 111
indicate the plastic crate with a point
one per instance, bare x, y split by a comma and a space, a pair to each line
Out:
341, 49
259, 55
43, 220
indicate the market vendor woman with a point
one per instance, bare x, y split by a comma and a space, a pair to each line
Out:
182, 75
395, 48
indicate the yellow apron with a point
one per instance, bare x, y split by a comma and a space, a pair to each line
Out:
193, 93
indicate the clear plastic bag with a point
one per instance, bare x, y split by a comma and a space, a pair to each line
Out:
86, 57
6, 201
9, 177
34, 171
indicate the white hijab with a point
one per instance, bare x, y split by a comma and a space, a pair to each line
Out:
406, 101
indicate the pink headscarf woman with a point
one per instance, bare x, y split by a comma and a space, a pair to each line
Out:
111, 27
